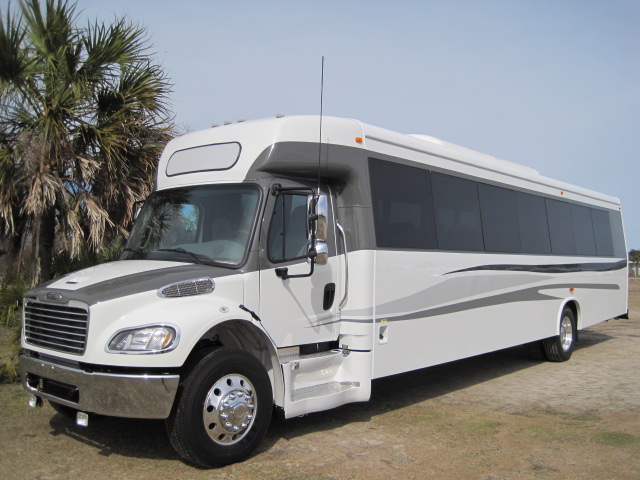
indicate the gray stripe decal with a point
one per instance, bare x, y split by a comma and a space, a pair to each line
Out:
318, 321
558, 268
323, 324
456, 287
526, 295
354, 320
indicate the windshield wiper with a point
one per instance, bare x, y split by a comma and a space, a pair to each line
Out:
182, 250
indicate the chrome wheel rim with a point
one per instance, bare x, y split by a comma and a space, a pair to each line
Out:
566, 334
229, 409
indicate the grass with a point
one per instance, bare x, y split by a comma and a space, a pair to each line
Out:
9, 348
617, 439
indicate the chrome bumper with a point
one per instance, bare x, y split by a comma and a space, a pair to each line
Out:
133, 396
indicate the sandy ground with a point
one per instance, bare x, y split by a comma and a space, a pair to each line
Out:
497, 416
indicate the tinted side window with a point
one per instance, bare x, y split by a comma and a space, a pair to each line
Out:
602, 232
457, 212
499, 219
583, 230
288, 235
402, 206
532, 223
560, 227
617, 232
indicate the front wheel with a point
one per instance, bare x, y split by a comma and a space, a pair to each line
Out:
560, 347
223, 411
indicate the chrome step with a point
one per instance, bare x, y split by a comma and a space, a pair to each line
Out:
293, 357
322, 390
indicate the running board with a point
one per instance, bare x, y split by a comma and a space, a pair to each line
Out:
319, 382
322, 390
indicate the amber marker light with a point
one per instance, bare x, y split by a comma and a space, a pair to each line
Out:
359, 139
571, 289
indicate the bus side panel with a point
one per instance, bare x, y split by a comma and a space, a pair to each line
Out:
601, 296
435, 307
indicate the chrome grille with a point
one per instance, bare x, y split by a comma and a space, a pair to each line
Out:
56, 327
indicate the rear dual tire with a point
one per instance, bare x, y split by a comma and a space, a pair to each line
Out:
560, 347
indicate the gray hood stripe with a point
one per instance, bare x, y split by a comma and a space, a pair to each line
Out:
136, 283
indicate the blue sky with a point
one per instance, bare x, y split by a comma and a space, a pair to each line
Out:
554, 85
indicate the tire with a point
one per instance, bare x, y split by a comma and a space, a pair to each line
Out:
536, 350
223, 410
560, 347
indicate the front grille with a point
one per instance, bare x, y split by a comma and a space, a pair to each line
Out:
56, 327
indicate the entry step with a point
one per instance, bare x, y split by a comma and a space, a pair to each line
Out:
293, 357
322, 390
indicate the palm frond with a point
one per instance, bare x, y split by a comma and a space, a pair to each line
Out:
13, 57
83, 114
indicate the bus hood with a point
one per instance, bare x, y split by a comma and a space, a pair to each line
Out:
122, 278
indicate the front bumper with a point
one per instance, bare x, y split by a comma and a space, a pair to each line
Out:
118, 395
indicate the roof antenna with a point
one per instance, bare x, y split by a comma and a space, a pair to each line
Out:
320, 139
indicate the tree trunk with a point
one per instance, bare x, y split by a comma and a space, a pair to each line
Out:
45, 242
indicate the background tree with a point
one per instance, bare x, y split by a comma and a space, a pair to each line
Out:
634, 257
83, 116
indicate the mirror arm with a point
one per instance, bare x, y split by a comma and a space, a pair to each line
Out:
283, 272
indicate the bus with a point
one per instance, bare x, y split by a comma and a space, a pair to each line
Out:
284, 264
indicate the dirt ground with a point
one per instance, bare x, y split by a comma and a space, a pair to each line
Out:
498, 416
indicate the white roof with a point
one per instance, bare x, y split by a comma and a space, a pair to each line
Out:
256, 136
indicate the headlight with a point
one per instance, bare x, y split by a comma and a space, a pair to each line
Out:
149, 339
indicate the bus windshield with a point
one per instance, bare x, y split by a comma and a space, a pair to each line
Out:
205, 224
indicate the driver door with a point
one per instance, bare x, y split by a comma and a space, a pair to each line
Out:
296, 311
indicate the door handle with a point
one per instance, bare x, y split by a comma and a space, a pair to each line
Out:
329, 295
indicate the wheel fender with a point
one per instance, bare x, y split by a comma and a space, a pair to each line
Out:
576, 310
237, 328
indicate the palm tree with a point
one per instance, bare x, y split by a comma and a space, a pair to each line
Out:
83, 114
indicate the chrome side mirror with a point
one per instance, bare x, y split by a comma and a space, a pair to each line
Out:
321, 253
318, 216
318, 228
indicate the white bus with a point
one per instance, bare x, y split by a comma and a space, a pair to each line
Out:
270, 270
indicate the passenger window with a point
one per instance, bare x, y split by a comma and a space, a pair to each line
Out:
402, 206
617, 233
602, 232
499, 219
288, 234
457, 210
560, 227
583, 230
532, 223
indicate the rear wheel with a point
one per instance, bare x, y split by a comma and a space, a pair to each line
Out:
223, 411
560, 347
